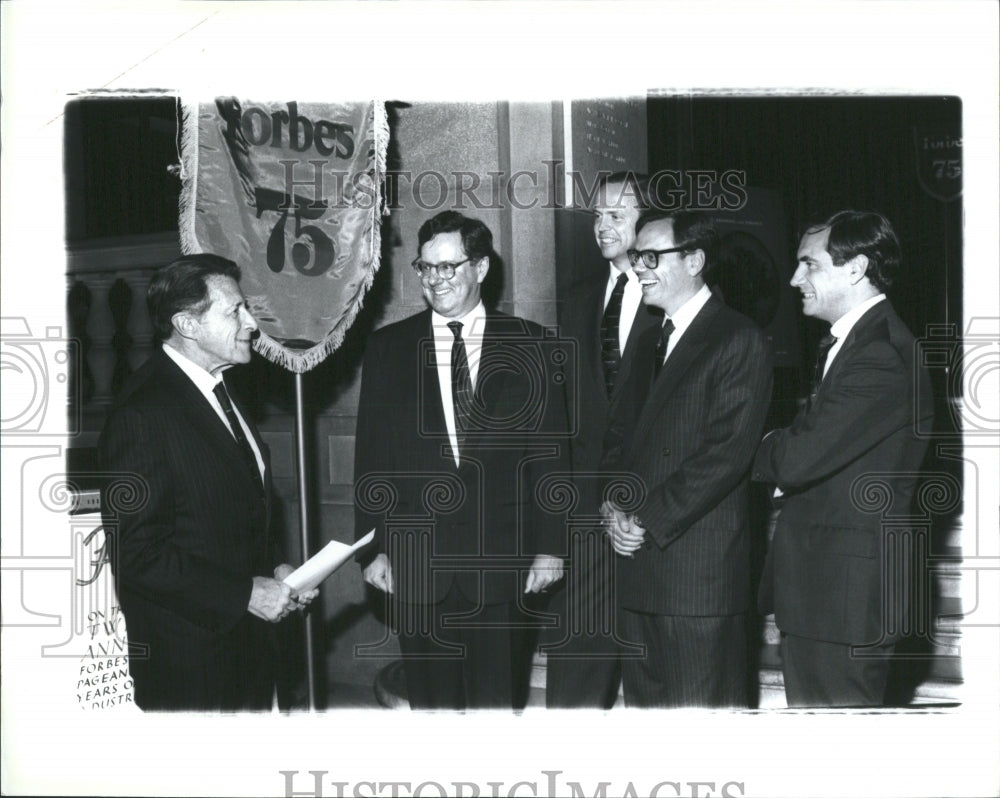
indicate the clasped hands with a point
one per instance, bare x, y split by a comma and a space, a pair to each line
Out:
545, 571
625, 531
273, 600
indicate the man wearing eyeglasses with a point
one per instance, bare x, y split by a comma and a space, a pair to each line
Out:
701, 399
604, 316
460, 417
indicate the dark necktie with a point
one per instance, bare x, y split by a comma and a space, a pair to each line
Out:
825, 345
461, 384
241, 439
661, 346
610, 347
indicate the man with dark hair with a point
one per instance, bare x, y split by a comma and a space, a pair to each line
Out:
825, 575
604, 316
700, 397
459, 420
188, 552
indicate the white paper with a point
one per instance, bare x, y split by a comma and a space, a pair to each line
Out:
327, 560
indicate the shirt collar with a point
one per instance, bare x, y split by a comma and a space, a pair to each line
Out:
614, 271
685, 313
473, 322
203, 380
842, 326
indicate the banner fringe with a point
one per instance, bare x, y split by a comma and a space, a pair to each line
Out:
189, 177
299, 362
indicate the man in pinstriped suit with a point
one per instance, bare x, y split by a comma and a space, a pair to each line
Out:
699, 409
188, 555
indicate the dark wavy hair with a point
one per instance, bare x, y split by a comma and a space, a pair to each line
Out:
867, 233
692, 230
477, 240
183, 286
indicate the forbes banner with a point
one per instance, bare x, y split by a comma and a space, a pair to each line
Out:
292, 192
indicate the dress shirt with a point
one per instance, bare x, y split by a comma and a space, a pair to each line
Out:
842, 326
684, 316
206, 383
473, 327
631, 299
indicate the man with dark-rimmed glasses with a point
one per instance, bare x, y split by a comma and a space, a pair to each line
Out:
699, 404
461, 416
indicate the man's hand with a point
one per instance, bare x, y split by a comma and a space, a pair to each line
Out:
302, 599
270, 599
545, 570
625, 533
379, 573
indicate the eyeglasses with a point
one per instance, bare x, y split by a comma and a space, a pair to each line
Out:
445, 269
651, 257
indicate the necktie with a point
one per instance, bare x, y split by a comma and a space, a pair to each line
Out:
461, 384
610, 346
826, 343
661, 346
234, 423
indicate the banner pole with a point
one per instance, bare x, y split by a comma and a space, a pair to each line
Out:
304, 526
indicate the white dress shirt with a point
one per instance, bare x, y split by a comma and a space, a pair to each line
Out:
473, 327
631, 299
684, 316
206, 383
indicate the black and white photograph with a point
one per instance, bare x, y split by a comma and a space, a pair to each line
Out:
548, 399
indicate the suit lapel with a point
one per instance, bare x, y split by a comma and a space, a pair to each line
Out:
428, 390
491, 351
688, 351
858, 334
204, 419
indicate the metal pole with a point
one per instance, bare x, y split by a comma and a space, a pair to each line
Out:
304, 526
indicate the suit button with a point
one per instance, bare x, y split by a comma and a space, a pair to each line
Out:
666, 452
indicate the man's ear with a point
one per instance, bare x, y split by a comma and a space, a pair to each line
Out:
483, 267
694, 262
184, 324
857, 268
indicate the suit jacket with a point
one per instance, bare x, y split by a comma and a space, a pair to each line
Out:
691, 445
480, 524
823, 575
589, 405
185, 548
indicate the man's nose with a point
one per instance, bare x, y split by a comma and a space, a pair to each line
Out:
248, 320
797, 277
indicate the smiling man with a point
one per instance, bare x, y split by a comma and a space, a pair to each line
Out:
188, 553
683, 571
605, 317
461, 416
825, 575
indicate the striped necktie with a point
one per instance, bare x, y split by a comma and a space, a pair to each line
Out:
610, 345
461, 384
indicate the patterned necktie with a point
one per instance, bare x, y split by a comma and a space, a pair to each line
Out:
825, 345
661, 346
461, 384
610, 346
237, 429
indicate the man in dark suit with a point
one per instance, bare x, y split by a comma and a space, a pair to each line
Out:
460, 417
189, 547
605, 317
825, 577
683, 570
